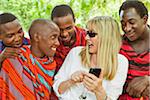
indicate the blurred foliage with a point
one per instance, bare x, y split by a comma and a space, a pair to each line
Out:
28, 10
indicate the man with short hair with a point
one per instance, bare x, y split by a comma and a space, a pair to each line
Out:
70, 35
134, 17
11, 36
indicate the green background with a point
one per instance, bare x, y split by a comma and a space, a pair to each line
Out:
28, 10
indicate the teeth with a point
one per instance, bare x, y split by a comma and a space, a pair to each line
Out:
53, 49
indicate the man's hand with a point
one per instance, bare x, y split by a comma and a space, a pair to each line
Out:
137, 86
146, 92
9, 52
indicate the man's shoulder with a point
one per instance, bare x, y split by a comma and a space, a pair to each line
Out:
77, 27
80, 30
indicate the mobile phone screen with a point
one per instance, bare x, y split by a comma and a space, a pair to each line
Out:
95, 71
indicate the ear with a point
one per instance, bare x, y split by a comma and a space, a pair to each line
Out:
36, 37
145, 19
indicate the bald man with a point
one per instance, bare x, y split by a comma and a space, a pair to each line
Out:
30, 76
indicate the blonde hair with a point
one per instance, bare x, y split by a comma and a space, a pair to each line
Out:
108, 47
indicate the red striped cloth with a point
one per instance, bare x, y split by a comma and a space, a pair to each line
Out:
62, 50
139, 65
27, 77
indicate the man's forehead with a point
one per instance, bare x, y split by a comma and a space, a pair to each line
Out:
12, 22
64, 19
48, 30
128, 14
10, 26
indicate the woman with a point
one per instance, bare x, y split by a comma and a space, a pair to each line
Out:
73, 82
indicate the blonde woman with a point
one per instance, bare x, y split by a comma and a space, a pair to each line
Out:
101, 51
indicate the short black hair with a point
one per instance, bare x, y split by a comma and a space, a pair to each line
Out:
138, 5
6, 17
61, 11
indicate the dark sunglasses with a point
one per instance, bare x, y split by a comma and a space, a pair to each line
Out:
91, 34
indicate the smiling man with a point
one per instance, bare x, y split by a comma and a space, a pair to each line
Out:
11, 36
134, 17
70, 35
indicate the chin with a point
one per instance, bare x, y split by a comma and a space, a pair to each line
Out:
91, 52
51, 55
132, 39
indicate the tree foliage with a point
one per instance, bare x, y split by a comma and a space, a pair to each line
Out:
28, 10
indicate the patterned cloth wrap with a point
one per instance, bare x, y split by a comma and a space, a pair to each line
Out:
27, 77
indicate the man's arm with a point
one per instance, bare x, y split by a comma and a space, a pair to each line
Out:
146, 92
137, 86
8, 52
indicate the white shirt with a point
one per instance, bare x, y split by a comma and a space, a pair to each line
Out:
73, 63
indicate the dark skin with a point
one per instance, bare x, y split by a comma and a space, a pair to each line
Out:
66, 25
138, 32
9, 52
137, 87
45, 40
146, 92
12, 37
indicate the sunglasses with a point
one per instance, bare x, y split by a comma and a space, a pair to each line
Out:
91, 34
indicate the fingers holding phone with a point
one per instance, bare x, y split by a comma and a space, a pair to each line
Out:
93, 79
95, 71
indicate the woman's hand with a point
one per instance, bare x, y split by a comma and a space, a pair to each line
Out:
77, 76
94, 84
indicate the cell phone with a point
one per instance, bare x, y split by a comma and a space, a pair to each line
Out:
95, 71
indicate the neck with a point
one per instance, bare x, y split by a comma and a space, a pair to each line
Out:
146, 33
93, 60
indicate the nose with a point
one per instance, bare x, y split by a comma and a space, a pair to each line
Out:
127, 28
57, 42
64, 33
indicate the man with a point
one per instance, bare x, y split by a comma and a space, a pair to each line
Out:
134, 16
70, 35
30, 76
11, 36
